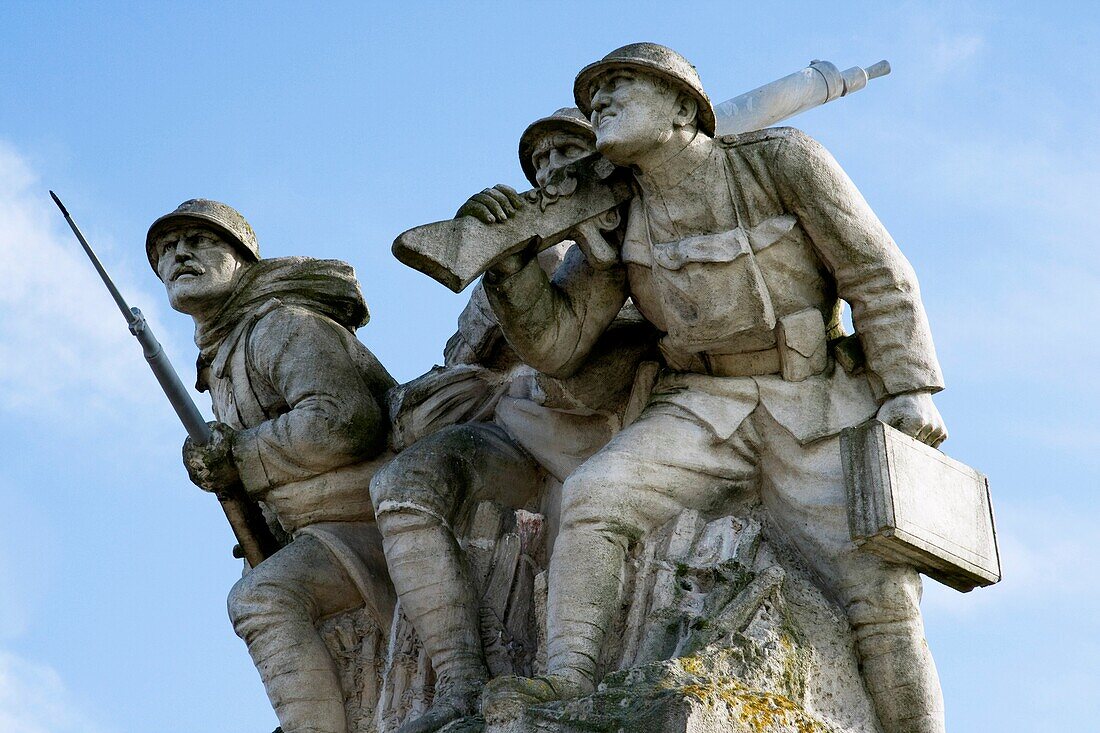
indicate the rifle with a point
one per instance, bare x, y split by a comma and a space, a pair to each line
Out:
254, 538
581, 201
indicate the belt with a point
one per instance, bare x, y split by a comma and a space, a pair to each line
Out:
748, 364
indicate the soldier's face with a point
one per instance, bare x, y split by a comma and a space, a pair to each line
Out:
556, 150
199, 269
632, 113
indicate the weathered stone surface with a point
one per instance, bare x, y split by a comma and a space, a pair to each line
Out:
724, 630
505, 552
359, 648
690, 493
301, 428
687, 695
457, 251
912, 504
740, 250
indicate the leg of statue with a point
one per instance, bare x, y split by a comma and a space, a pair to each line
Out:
659, 466
803, 490
275, 609
417, 498
897, 665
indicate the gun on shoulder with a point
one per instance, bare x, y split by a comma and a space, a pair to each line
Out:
581, 201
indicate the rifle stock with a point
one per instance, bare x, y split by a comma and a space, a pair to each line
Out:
457, 251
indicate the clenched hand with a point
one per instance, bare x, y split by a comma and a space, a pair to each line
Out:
211, 466
914, 413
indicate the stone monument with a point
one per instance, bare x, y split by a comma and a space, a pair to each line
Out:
655, 485
301, 425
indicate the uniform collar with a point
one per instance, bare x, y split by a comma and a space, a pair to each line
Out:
672, 172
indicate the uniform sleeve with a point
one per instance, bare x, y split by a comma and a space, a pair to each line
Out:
477, 331
871, 273
331, 418
553, 324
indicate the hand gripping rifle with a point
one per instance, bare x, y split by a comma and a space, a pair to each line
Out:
254, 537
581, 201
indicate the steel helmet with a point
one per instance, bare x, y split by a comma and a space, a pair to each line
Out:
223, 219
566, 119
651, 58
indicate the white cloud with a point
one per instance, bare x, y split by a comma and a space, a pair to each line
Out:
34, 699
64, 346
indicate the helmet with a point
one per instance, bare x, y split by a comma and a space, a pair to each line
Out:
651, 58
223, 219
566, 119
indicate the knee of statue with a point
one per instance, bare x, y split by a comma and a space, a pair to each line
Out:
395, 518
416, 472
257, 599
383, 484
241, 603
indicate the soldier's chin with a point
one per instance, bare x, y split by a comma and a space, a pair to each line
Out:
614, 149
188, 295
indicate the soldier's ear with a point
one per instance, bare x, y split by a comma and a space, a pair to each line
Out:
687, 111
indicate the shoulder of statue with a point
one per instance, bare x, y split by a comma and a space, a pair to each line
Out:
769, 137
273, 314
276, 313
272, 326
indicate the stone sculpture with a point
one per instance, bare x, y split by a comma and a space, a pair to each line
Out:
649, 387
301, 424
739, 251
535, 424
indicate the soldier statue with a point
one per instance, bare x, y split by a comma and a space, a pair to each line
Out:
739, 250
300, 424
537, 426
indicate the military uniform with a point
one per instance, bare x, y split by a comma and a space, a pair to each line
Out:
307, 442
538, 426
739, 251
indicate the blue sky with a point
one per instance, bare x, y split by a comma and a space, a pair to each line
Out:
335, 128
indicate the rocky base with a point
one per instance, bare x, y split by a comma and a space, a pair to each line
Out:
678, 696
722, 629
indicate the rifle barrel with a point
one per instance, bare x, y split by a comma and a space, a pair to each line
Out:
813, 86
162, 368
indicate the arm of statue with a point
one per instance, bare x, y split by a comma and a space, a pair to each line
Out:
477, 334
332, 419
554, 324
874, 277
551, 324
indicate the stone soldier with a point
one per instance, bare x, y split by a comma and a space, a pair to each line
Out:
297, 398
540, 425
739, 250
